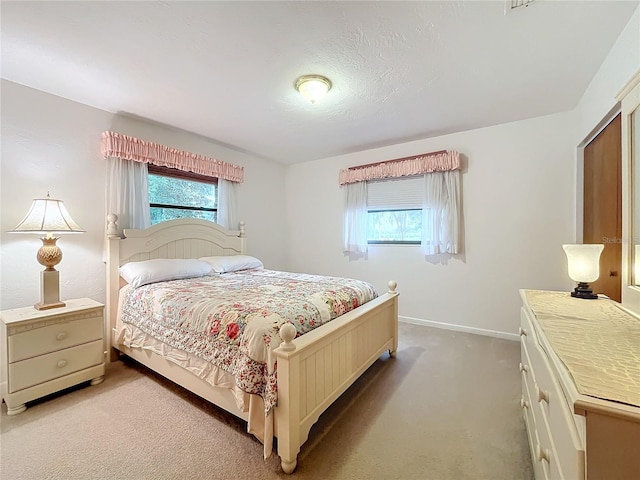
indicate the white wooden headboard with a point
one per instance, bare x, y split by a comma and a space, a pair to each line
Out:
181, 238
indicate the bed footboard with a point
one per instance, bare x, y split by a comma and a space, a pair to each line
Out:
316, 368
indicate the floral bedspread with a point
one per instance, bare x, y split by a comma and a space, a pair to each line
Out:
232, 320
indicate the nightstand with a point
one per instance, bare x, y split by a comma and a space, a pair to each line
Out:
44, 351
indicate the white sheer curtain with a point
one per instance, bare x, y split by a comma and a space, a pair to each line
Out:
441, 213
355, 217
128, 193
228, 204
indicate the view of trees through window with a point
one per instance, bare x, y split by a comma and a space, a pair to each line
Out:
171, 197
395, 226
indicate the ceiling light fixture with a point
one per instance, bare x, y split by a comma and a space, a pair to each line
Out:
313, 87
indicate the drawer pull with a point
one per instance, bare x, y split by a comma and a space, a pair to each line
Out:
62, 363
542, 395
522, 331
61, 336
523, 367
524, 403
543, 454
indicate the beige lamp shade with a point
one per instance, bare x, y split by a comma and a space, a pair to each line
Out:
584, 261
47, 216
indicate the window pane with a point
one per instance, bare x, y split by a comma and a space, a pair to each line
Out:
177, 191
159, 214
395, 226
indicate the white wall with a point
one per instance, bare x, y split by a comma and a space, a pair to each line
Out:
520, 191
621, 63
518, 201
53, 144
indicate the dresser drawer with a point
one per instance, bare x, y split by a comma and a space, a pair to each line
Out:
39, 341
552, 411
526, 369
545, 451
561, 424
34, 371
532, 430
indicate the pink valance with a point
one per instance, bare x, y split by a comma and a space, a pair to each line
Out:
131, 148
418, 165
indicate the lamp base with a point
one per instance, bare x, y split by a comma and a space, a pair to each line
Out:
49, 290
584, 291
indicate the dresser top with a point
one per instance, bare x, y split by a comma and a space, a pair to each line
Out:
30, 313
598, 342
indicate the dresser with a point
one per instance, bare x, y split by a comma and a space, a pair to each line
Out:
580, 367
44, 351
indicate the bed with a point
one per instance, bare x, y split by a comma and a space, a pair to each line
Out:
313, 369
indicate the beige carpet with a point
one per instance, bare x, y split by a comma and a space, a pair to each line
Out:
446, 408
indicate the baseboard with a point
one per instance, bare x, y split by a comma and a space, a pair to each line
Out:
460, 328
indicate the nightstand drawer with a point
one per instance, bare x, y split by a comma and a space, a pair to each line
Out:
55, 337
41, 369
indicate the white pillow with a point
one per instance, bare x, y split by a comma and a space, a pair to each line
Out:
162, 269
232, 263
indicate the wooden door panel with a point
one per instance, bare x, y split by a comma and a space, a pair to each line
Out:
603, 205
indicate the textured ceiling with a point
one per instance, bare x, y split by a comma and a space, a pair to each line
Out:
401, 71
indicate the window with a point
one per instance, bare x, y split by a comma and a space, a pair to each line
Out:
178, 194
395, 211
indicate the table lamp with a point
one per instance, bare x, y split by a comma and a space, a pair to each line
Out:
48, 217
584, 267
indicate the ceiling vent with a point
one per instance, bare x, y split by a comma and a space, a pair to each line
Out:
511, 5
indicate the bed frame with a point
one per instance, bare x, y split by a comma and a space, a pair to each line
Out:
313, 370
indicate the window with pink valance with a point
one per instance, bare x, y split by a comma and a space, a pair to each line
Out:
436, 175
122, 146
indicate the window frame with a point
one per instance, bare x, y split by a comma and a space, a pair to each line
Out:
182, 175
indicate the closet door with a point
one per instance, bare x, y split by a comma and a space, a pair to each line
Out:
603, 205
